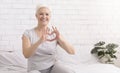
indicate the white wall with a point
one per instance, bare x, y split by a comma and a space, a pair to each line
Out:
82, 22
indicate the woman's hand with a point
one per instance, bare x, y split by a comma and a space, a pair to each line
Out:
56, 32
44, 34
62, 42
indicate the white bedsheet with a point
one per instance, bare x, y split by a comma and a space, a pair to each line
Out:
81, 68
13, 69
96, 68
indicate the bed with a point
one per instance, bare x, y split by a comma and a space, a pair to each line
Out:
81, 62
12, 62
84, 62
12, 69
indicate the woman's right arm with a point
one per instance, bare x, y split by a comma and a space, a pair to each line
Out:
29, 49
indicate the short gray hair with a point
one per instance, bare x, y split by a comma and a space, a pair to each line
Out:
40, 6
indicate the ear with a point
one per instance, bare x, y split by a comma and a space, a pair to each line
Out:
36, 15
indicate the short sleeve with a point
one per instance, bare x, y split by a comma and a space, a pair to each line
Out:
26, 33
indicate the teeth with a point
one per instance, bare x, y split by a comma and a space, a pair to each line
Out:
43, 19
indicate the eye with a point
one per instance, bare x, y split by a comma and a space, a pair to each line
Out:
47, 14
40, 13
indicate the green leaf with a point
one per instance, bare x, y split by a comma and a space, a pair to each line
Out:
113, 56
101, 43
94, 51
101, 53
100, 49
111, 46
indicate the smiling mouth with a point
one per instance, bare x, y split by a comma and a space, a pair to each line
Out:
43, 20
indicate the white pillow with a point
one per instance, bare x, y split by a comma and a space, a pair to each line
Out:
14, 58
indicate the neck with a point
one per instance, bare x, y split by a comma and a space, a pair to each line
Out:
39, 27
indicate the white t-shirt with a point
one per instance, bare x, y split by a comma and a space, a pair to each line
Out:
44, 56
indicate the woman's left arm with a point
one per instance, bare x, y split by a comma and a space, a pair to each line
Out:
66, 45
63, 43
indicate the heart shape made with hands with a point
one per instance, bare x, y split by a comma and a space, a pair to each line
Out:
51, 36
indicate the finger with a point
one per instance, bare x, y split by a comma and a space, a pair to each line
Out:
52, 32
53, 28
56, 29
50, 40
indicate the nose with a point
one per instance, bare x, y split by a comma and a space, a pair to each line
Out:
44, 16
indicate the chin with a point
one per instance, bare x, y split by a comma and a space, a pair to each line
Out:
45, 24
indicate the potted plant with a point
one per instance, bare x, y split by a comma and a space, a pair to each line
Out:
105, 52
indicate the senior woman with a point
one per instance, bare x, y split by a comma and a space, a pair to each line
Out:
39, 45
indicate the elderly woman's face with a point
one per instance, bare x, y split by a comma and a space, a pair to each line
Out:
43, 15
